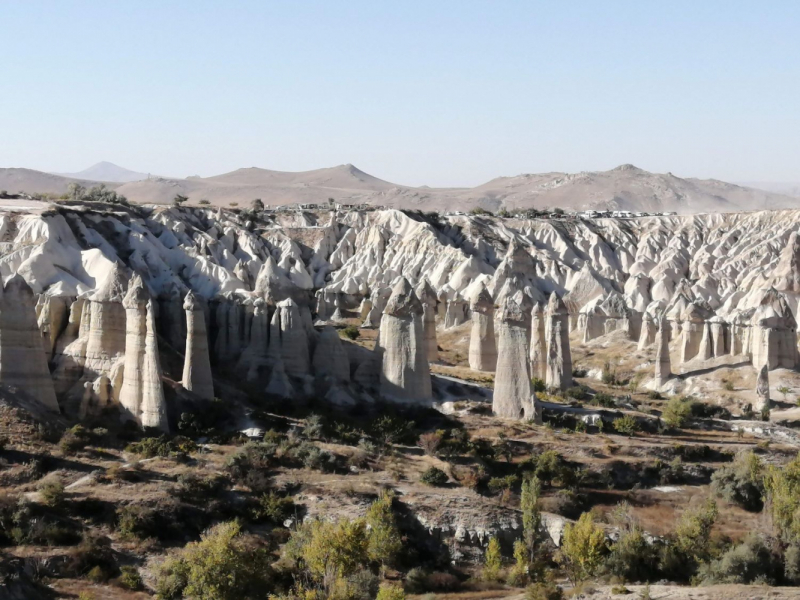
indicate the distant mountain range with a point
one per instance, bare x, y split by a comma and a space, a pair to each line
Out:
624, 188
106, 171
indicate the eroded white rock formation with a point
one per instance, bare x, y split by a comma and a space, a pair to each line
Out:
330, 359
405, 373
427, 296
482, 343
197, 364
513, 396
663, 362
142, 394
559, 357
23, 362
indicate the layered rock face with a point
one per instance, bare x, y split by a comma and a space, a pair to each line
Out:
23, 363
482, 344
142, 394
513, 393
405, 374
197, 363
559, 358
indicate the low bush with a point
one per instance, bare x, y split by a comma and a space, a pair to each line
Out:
51, 491
74, 439
351, 332
193, 488
741, 482
129, 578
603, 399
251, 464
162, 446
273, 508
576, 392
749, 562
626, 425
434, 477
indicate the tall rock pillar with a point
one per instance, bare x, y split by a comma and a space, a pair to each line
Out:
405, 373
559, 357
23, 363
513, 393
482, 345
197, 364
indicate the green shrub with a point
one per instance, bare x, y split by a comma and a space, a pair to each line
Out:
434, 477
273, 508
577, 392
351, 332
250, 465
539, 385
749, 562
162, 446
543, 591
74, 439
193, 488
741, 482
390, 592
603, 399
626, 425
130, 579
632, 558
416, 581
314, 427
51, 491
499, 484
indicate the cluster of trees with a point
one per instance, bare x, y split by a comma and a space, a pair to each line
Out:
322, 559
690, 554
98, 193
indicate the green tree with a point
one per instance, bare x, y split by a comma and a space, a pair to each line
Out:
329, 552
693, 532
221, 566
677, 412
519, 572
384, 541
531, 515
493, 560
782, 485
583, 545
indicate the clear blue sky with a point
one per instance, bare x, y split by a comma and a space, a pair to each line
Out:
434, 92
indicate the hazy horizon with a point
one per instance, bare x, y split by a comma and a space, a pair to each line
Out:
447, 94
